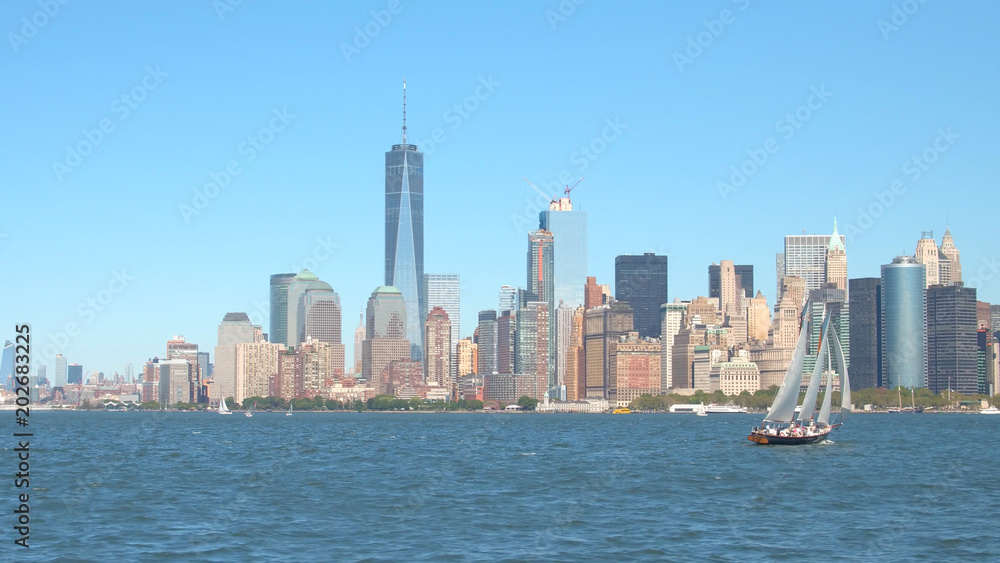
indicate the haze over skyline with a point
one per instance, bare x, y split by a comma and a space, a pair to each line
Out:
495, 93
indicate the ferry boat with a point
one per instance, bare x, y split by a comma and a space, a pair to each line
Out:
989, 410
724, 409
781, 425
622, 410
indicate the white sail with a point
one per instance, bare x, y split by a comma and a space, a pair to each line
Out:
812, 392
223, 408
783, 408
845, 380
823, 419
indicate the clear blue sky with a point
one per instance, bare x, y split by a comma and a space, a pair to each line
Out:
556, 82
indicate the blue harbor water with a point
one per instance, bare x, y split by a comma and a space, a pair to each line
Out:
506, 487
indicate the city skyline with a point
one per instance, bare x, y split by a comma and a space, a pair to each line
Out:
126, 301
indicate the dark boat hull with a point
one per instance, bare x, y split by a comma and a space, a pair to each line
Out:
766, 439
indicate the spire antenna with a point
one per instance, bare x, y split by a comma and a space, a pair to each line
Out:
404, 113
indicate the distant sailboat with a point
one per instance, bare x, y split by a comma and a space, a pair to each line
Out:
289, 413
249, 413
224, 408
781, 426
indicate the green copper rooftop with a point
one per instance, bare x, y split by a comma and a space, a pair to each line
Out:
306, 275
835, 243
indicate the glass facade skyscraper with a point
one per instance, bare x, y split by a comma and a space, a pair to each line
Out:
279, 308
541, 265
641, 281
569, 232
404, 234
74, 373
904, 340
952, 339
805, 257
866, 333
444, 290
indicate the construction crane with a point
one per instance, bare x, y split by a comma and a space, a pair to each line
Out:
570, 188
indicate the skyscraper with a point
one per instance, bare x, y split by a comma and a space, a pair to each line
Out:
508, 299
592, 295
995, 319
828, 301
541, 285
602, 327
404, 232
641, 281
506, 348
74, 373
950, 251
836, 262
569, 231
444, 290
319, 311
234, 329
673, 317
564, 333
904, 331
533, 346
294, 325
359, 339
60, 375
437, 339
487, 346
805, 257
866, 333
952, 339
744, 277
927, 254
278, 330
385, 335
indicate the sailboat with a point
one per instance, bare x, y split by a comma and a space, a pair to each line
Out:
249, 413
224, 408
289, 413
781, 426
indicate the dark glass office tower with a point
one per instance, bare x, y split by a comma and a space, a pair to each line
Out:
641, 281
404, 232
866, 333
951, 339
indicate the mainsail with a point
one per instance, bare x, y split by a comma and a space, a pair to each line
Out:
809, 403
845, 380
823, 418
783, 408
223, 408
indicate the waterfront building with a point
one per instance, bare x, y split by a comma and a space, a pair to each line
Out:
602, 328
175, 382
256, 365
385, 335
904, 340
641, 281
467, 357
738, 375
487, 342
234, 329
637, 368
952, 339
438, 348
672, 315
865, 367
506, 349
576, 368
509, 387
445, 291
532, 337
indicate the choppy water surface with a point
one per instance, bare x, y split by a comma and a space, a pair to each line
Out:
509, 487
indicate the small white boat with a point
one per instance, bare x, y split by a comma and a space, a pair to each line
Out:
249, 413
702, 412
989, 410
289, 413
224, 408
